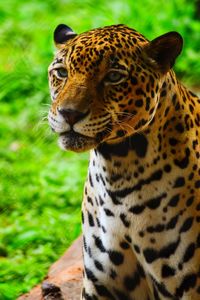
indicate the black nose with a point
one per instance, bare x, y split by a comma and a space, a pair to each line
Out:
72, 116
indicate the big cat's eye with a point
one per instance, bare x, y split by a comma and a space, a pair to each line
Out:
61, 72
114, 77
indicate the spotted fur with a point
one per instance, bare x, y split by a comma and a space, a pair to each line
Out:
114, 92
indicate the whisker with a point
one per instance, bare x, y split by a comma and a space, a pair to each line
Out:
40, 124
123, 113
46, 104
43, 112
45, 118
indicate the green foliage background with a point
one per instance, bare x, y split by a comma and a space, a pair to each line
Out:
41, 186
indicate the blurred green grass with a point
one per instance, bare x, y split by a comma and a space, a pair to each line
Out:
41, 186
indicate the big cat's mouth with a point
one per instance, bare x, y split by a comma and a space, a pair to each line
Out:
72, 134
77, 142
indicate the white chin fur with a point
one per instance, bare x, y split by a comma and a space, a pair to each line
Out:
60, 143
79, 145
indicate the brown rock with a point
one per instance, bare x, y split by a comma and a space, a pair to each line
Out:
64, 279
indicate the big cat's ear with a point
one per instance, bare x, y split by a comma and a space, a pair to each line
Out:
163, 51
62, 34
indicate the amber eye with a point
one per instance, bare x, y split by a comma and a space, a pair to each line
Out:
114, 77
62, 72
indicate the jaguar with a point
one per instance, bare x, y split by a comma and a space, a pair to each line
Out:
114, 93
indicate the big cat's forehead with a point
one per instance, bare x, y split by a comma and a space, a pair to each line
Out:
95, 45
117, 36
